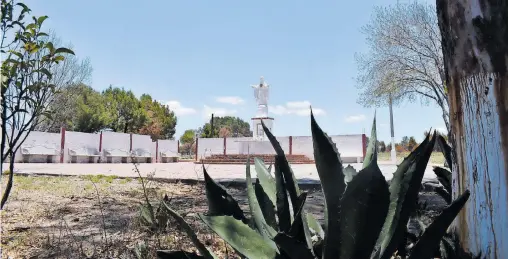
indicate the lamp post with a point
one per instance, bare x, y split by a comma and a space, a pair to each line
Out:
392, 151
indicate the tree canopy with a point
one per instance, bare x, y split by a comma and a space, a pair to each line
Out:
227, 126
188, 136
81, 108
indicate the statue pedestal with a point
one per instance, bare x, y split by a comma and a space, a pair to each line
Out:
257, 128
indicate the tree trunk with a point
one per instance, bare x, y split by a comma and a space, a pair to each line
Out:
475, 52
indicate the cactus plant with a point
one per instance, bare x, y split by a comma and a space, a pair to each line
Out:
364, 216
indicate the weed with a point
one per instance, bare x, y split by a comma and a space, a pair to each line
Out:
100, 177
125, 180
88, 187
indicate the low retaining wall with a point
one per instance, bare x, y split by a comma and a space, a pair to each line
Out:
351, 147
69, 140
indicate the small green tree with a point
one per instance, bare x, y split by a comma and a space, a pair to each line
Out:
124, 109
161, 121
26, 88
236, 127
411, 144
91, 114
188, 136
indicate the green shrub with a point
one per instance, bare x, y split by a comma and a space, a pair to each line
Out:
364, 216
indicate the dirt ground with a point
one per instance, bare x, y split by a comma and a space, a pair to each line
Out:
98, 217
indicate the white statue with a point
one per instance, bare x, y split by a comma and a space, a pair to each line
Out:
261, 92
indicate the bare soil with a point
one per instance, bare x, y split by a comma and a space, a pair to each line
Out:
98, 217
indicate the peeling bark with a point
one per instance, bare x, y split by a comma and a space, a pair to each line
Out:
475, 52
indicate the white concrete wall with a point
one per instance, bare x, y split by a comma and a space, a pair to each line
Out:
168, 145
144, 142
77, 140
37, 138
264, 147
234, 145
210, 146
115, 140
350, 147
302, 145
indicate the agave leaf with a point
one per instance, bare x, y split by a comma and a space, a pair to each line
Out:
444, 177
296, 229
292, 247
447, 248
145, 215
349, 173
364, 206
318, 248
220, 202
241, 237
265, 179
445, 149
330, 173
429, 241
255, 209
404, 189
266, 205
141, 250
166, 254
444, 194
291, 184
282, 200
203, 250
371, 156
270, 171
162, 217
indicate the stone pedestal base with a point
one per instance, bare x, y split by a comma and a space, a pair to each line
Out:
257, 128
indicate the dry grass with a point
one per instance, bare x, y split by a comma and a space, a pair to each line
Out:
61, 217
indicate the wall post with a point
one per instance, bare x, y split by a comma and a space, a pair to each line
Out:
62, 144
224, 145
131, 142
290, 145
196, 151
157, 151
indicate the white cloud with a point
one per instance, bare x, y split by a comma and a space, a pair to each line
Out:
297, 108
298, 105
180, 110
207, 111
234, 100
355, 118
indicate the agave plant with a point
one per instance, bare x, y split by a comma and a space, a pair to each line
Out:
365, 218
444, 175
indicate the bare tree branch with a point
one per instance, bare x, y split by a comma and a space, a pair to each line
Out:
404, 59
70, 72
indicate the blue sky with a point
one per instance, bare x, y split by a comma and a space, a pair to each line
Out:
202, 56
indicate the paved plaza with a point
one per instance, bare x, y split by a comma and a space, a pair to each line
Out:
182, 170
